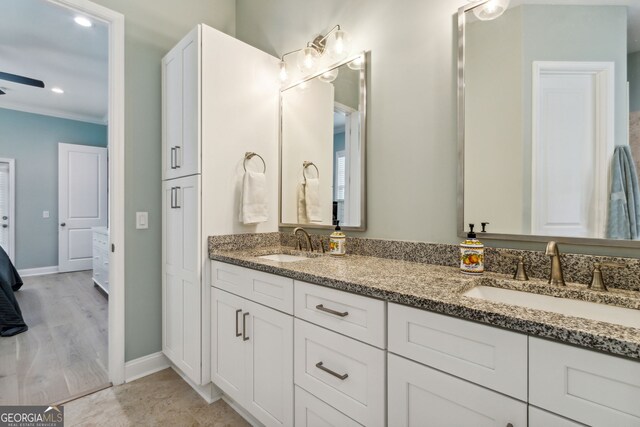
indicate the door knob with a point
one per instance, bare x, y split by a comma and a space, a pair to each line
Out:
63, 224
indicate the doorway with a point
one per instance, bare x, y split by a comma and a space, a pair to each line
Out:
572, 145
115, 243
7, 206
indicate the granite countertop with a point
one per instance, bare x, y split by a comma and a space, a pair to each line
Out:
440, 289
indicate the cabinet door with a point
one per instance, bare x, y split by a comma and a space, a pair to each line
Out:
421, 396
269, 340
181, 275
540, 418
180, 108
227, 347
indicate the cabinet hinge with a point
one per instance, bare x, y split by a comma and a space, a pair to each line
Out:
113, 247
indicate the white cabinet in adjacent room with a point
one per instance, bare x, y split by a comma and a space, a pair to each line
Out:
101, 258
252, 357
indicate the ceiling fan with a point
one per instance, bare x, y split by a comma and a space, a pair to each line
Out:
21, 80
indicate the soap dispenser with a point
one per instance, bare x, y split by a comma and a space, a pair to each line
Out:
338, 241
471, 254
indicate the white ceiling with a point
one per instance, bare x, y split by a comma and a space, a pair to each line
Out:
633, 12
41, 40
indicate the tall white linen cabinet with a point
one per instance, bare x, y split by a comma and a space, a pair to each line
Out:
219, 100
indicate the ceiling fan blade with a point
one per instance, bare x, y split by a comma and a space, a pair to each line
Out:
21, 79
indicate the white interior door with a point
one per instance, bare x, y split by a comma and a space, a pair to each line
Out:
82, 203
7, 207
572, 145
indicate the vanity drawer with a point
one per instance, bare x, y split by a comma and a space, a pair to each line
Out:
264, 288
359, 317
491, 357
345, 373
313, 412
101, 241
586, 386
540, 418
421, 396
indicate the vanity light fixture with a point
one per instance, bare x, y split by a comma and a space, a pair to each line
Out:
83, 21
337, 42
492, 9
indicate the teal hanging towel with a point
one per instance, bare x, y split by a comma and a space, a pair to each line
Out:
623, 221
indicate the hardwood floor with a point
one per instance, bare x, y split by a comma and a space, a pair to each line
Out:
64, 352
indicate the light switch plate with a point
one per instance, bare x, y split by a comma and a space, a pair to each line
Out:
142, 220
45, 214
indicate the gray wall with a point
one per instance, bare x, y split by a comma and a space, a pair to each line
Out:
412, 148
152, 27
32, 140
633, 75
411, 152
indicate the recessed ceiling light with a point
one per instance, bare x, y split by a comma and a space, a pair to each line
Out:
56, 90
81, 20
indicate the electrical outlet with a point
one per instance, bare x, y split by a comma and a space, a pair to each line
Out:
142, 220
45, 214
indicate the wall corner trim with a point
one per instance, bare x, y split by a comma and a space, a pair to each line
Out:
145, 365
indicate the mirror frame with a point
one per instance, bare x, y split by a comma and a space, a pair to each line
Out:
589, 241
363, 143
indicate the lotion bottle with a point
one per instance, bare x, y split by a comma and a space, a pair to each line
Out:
472, 254
338, 242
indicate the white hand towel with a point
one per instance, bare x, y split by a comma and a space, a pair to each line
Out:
302, 205
254, 198
312, 199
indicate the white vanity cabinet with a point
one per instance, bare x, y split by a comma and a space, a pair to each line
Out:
180, 107
101, 258
252, 348
181, 274
422, 396
212, 86
586, 386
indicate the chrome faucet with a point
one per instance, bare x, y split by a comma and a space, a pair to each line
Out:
306, 236
555, 276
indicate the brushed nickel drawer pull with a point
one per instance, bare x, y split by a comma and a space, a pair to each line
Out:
328, 310
244, 327
320, 366
238, 334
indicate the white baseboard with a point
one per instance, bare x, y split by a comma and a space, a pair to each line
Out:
146, 365
39, 271
209, 392
243, 412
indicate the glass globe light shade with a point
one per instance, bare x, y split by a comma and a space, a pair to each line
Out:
329, 76
357, 63
339, 44
491, 9
283, 75
307, 59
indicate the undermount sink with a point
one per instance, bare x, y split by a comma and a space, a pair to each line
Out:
568, 307
283, 257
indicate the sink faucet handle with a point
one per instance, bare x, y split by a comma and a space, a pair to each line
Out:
597, 281
521, 271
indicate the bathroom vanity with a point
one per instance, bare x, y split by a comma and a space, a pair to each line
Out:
380, 342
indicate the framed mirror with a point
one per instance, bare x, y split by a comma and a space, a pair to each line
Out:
549, 121
322, 148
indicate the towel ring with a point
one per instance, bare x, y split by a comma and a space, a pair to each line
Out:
248, 156
305, 165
